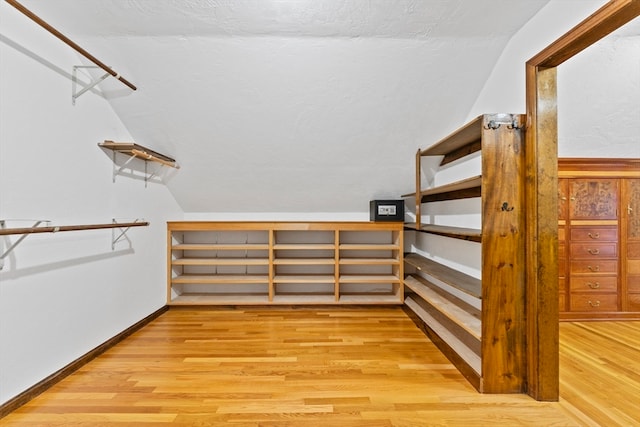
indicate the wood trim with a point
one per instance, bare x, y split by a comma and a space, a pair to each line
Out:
418, 196
284, 225
600, 317
541, 199
602, 22
33, 391
610, 167
541, 186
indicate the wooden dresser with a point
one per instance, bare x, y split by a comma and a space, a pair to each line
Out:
599, 238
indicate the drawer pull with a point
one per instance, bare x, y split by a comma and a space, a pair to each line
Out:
596, 268
594, 304
593, 251
595, 285
594, 236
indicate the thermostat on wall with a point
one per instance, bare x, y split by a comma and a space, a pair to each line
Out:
386, 210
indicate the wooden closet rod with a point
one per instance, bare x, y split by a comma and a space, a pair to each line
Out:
31, 230
65, 39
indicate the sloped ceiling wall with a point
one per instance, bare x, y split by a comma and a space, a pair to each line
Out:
291, 106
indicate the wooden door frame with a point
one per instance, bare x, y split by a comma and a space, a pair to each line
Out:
541, 163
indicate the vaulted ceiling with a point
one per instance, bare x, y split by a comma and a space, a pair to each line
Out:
291, 105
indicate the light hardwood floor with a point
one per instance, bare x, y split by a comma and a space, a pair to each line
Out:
334, 366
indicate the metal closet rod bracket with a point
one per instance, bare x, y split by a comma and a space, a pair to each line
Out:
35, 18
24, 232
124, 228
3, 227
75, 93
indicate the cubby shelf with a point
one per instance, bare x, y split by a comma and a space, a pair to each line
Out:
212, 263
478, 323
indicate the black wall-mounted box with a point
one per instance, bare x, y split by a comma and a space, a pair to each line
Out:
386, 210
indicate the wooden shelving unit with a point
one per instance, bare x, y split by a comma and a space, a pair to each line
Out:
478, 323
241, 263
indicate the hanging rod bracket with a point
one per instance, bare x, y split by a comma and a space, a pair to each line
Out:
123, 232
75, 93
35, 18
3, 225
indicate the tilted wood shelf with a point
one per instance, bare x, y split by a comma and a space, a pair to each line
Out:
466, 188
479, 324
241, 263
448, 276
462, 233
136, 150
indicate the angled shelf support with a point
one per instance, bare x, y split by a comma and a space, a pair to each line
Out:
75, 93
124, 228
3, 225
134, 151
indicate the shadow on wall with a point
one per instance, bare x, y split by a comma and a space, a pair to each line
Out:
138, 169
50, 65
15, 273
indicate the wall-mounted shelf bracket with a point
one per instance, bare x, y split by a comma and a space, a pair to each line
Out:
3, 226
123, 230
137, 151
75, 93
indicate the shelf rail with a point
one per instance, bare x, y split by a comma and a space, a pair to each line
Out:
69, 42
35, 229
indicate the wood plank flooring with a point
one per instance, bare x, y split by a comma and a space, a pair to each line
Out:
333, 366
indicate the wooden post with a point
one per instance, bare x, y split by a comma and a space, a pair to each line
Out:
541, 163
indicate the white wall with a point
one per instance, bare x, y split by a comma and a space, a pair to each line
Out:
63, 294
504, 91
599, 100
598, 89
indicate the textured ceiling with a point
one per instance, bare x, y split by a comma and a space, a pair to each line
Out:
316, 18
291, 106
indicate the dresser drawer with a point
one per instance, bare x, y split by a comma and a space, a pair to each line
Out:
594, 266
594, 284
601, 302
594, 250
594, 234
